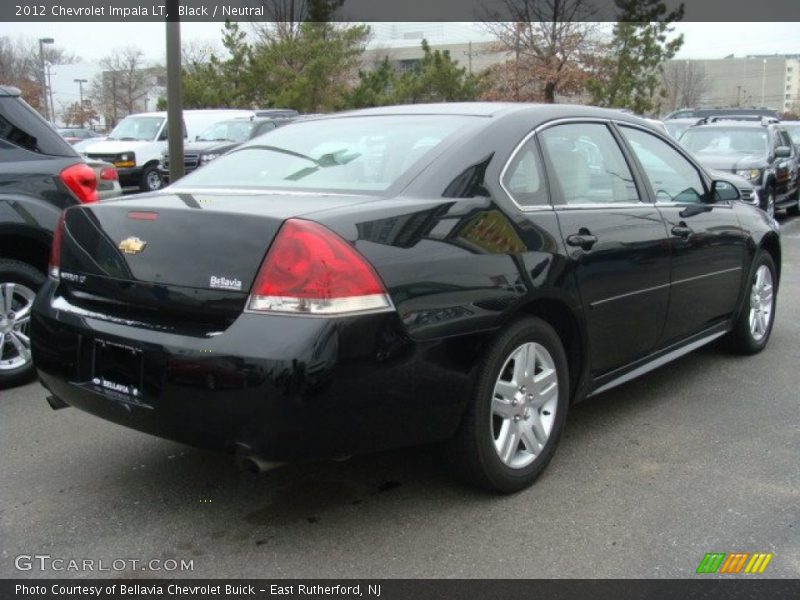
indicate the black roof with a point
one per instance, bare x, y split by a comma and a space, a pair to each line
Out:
531, 113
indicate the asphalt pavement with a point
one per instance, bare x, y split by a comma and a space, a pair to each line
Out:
698, 456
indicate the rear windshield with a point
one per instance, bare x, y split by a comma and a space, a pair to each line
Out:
717, 140
350, 154
22, 126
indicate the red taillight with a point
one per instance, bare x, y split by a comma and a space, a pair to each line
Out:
109, 174
311, 270
54, 267
81, 181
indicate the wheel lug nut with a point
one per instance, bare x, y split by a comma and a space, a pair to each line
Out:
522, 389
516, 418
514, 402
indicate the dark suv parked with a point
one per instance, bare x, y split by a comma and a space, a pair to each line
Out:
40, 175
760, 151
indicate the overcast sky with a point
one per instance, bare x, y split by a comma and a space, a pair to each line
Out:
92, 41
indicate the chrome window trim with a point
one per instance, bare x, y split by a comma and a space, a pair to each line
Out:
578, 206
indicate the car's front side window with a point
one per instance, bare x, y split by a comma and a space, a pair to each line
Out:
672, 177
587, 165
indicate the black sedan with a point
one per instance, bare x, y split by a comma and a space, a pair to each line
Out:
403, 275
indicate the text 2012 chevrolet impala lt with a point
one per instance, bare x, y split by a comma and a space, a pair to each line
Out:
403, 275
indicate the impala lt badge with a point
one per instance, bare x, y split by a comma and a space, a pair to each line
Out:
132, 245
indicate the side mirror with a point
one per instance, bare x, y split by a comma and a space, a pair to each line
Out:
783, 152
723, 191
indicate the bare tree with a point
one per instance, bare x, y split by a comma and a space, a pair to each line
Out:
21, 66
285, 16
548, 43
685, 83
123, 85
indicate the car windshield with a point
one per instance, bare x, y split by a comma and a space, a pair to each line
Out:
227, 131
356, 154
794, 132
137, 128
717, 140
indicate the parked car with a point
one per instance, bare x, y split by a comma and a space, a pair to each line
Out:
136, 144
218, 139
107, 179
40, 175
701, 113
75, 135
760, 151
403, 275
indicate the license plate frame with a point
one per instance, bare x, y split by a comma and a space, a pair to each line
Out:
117, 369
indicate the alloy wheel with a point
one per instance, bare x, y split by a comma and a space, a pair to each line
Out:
16, 301
153, 180
761, 303
524, 405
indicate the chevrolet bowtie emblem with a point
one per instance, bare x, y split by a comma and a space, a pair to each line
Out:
132, 245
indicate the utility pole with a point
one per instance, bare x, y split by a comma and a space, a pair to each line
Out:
764, 84
174, 93
42, 42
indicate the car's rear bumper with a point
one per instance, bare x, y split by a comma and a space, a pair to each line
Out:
285, 387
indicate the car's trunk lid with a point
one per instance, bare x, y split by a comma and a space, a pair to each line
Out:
176, 252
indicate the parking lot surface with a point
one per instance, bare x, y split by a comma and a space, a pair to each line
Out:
698, 456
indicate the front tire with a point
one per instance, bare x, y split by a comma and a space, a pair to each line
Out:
753, 327
151, 179
517, 411
19, 283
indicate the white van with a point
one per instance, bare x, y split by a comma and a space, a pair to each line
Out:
136, 144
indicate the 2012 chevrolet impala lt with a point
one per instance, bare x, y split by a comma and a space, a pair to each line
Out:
403, 275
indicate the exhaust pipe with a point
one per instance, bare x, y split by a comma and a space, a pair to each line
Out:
56, 403
255, 465
248, 462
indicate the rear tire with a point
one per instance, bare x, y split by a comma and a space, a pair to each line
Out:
19, 283
753, 327
517, 410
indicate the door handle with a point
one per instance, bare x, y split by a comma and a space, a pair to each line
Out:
682, 231
583, 239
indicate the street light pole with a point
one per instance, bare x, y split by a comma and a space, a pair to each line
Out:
764, 84
42, 42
